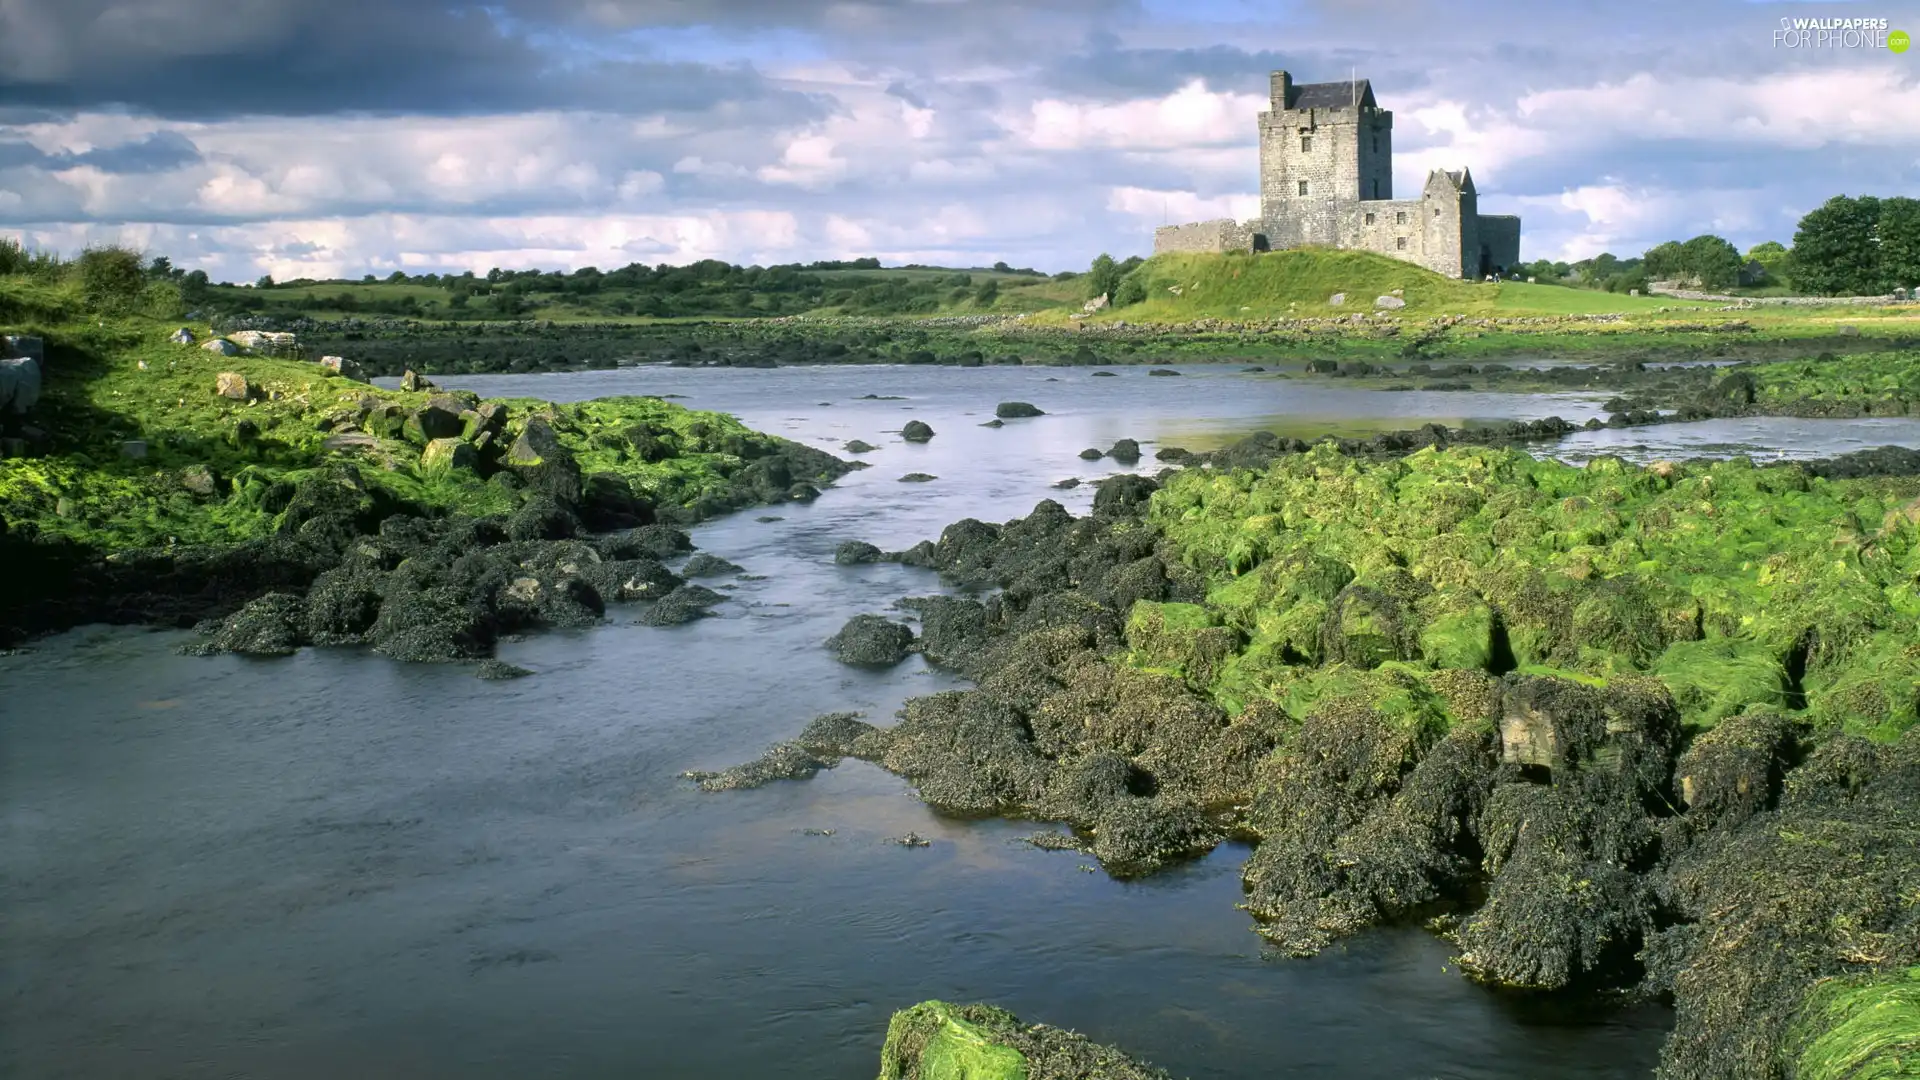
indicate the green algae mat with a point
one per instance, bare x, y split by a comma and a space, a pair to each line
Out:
1736, 586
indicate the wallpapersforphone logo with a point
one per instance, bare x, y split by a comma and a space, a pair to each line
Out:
1821, 33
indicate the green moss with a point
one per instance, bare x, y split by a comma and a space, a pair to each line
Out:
1185, 640
932, 1041
1712, 680
1458, 630
1711, 577
1877, 696
1395, 691
1861, 1029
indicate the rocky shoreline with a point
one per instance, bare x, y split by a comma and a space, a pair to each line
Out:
1525, 704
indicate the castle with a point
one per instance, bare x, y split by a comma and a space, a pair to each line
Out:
1326, 178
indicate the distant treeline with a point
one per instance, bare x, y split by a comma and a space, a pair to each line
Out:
1864, 246
709, 288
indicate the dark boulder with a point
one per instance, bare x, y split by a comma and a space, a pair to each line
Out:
682, 605
705, 565
916, 431
870, 640
1015, 410
855, 552
1125, 451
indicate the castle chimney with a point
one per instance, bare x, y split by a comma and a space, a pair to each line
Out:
1282, 90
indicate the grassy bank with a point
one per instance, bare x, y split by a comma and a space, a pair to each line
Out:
142, 442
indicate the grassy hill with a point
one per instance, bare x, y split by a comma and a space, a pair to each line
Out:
1300, 282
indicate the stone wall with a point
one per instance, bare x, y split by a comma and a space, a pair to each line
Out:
1340, 154
1220, 234
1662, 288
1500, 233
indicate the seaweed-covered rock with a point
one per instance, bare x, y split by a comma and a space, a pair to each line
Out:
860, 446
1125, 451
342, 605
1795, 930
1015, 410
938, 1041
1138, 835
870, 640
500, 671
916, 431
545, 464
682, 605
706, 565
855, 552
784, 761
834, 735
953, 629
964, 751
273, 625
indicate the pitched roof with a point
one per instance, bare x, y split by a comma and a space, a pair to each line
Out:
1330, 95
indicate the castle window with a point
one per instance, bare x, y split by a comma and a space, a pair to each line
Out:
1436, 211
1369, 219
1376, 188
1400, 217
1306, 143
1376, 144
1400, 242
1303, 187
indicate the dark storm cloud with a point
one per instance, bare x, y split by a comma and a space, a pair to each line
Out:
206, 59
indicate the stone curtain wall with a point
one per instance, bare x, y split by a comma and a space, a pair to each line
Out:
1220, 234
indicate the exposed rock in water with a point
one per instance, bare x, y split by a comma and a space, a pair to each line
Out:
499, 670
854, 552
871, 640
413, 382
916, 431
783, 761
705, 565
682, 605
1091, 453
1163, 372
938, 1041
1015, 410
857, 446
273, 625
995, 423
1125, 451
917, 478
1068, 484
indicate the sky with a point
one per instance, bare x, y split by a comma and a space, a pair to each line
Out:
329, 138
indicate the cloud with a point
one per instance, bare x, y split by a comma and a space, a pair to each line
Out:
301, 137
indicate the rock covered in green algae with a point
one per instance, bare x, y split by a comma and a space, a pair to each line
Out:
872, 641
938, 1041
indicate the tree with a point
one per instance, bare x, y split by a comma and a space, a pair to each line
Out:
1103, 277
265, 282
1835, 249
1899, 235
987, 293
1002, 268
111, 277
161, 268
398, 277
1665, 262
1711, 261
193, 287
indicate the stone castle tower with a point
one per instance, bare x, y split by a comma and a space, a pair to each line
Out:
1326, 178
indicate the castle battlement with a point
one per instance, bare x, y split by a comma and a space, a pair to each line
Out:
1326, 178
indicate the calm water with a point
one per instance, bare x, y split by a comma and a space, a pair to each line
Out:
334, 865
